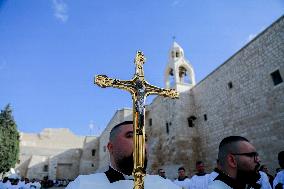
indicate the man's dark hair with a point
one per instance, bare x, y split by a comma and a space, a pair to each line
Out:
281, 159
229, 145
199, 162
5, 179
261, 168
116, 129
181, 168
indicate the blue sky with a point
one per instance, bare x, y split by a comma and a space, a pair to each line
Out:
50, 51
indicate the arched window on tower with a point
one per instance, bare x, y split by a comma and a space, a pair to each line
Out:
177, 54
173, 54
171, 78
184, 77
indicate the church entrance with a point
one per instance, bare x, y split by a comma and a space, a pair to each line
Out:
63, 171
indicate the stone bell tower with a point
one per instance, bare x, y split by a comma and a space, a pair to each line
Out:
179, 73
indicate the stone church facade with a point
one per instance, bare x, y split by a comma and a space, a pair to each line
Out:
244, 96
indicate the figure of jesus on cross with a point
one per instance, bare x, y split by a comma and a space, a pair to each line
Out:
139, 89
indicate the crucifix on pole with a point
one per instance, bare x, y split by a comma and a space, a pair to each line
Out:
139, 89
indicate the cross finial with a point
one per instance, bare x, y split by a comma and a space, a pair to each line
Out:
174, 38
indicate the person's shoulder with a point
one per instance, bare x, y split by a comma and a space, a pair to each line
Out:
86, 181
175, 180
263, 175
91, 176
155, 181
280, 174
38, 184
187, 180
217, 184
193, 177
198, 177
213, 175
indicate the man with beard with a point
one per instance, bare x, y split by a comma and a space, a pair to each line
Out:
238, 162
120, 147
119, 174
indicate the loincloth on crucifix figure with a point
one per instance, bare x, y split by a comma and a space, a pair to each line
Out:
126, 146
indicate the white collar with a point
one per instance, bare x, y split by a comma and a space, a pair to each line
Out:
126, 177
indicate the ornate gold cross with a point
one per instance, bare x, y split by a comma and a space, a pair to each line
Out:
139, 89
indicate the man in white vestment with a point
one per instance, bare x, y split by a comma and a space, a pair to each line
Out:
7, 184
215, 172
200, 180
264, 181
182, 181
34, 185
119, 174
278, 182
162, 173
3, 182
21, 184
238, 162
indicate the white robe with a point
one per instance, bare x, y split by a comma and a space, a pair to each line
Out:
183, 184
212, 176
264, 181
21, 184
2, 185
278, 179
100, 181
7, 185
200, 182
217, 184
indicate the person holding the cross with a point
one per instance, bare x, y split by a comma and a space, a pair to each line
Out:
119, 174
139, 89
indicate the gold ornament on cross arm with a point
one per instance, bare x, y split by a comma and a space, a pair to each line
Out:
139, 89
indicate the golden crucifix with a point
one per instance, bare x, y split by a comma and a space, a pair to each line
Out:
139, 89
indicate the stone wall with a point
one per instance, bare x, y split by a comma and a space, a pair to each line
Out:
171, 142
238, 98
253, 107
90, 155
62, 138
56, 153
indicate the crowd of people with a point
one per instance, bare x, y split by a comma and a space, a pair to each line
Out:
238, 167
202, 180
25, 183
15, 183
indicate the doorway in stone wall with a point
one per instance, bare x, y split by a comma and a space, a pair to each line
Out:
64, 170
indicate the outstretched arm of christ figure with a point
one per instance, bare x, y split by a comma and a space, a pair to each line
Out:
104, 81
153, 90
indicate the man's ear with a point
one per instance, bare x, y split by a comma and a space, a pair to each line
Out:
109, 147
232, 162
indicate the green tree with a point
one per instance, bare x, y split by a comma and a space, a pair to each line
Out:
9, 140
